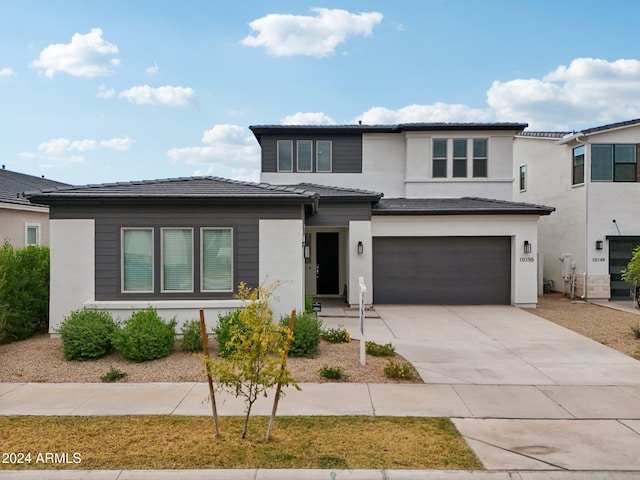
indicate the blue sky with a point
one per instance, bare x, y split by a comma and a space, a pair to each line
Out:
94, 92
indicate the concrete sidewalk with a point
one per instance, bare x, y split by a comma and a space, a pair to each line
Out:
533, 400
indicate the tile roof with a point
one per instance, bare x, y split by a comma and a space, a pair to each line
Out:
205, 187
543, 134
13, 184
339, 193
456, 206
626, 123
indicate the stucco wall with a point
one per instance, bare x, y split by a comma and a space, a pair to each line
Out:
13, 220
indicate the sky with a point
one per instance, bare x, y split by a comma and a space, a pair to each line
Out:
98, 92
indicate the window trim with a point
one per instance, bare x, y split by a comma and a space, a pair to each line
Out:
298, 143
522, 177
330, 156
27, 226
153, 263
162, 287
201, 253
279, 144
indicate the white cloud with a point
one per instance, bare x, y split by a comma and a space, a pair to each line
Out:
152, 70
309, 118
438, 112
87, 55
587, 92
7, 72
166, 95
229, 151
285, 35
62, 151
104, 92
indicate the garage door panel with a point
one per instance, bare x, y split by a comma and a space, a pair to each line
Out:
442, 270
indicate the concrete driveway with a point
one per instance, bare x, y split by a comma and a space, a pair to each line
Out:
540, 397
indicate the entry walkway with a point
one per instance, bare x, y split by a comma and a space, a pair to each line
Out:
535, 401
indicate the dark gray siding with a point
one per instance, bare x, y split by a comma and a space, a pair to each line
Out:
346, 151
442, 270
339, 214
109, 220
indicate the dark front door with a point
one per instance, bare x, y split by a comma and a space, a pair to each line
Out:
620, 252
327, 263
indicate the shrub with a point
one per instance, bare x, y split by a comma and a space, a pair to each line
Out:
306, 335
308, 303
333, 372
636, 331
223, 331
377, 350
86, 334
400, 371
145, 336
336, 335
24, 290
191, 336
112, 375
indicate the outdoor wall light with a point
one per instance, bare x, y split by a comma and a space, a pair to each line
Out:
527, 246
599, 244
360, 248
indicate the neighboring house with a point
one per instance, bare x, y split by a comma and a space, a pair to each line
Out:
338, 203
446, 230
23, 223
592, 179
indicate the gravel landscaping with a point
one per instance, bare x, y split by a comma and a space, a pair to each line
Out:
39, 359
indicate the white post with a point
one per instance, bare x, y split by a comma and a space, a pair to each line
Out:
363, 290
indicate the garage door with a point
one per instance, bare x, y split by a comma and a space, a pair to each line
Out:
442, 270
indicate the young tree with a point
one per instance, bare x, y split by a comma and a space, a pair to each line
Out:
254, 364
631, 273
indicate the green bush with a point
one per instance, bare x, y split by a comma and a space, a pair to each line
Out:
307, 330
333, 372
24, 291
226, 346
112, 375
336, 335
308, 303
191, 336
145, 336
636, 331
400, 371
377, 350
86, 334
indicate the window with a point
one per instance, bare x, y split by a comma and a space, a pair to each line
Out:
323, 156
439, 158
216, 258
480, 157
305, 148
32, 234
613, 163
137, 260
285, 155
459, 158
577, 172
177, 260
523, 178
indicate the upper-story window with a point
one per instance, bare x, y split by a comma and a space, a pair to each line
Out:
523, 178
305, 155
480, 157
613, 163
460, 153
323, 156
439, 158
285, 155
577, 168
32, 234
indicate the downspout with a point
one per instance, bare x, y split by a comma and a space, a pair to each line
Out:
586, 220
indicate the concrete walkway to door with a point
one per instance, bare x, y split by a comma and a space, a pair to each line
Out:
537, 396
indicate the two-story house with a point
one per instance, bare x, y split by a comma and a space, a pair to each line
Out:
592, 179
445, 231
23, 223
422, 212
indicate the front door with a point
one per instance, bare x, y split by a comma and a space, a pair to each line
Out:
327, 263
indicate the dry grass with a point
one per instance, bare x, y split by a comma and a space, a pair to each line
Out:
174, 442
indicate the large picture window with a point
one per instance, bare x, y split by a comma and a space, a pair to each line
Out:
613, 163
177, 259
216, 260
137, 260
